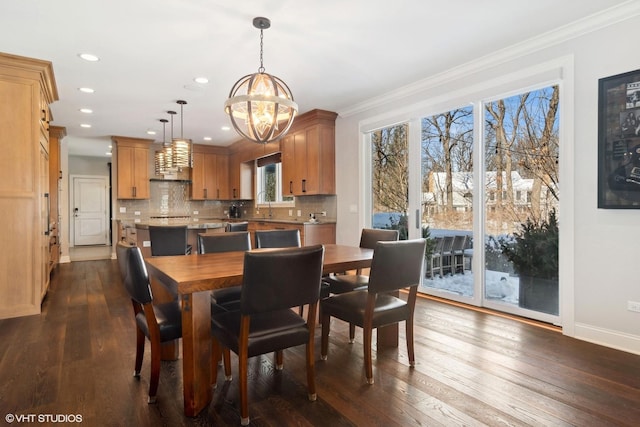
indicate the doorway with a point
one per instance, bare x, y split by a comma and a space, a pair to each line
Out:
89, 207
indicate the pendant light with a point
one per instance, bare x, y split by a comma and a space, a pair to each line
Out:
260, 105
181, 147
160, 155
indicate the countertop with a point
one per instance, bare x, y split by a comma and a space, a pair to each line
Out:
210, 222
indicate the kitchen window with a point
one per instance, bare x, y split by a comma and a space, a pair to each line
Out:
269, 182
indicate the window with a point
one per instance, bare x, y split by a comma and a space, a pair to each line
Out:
269, 182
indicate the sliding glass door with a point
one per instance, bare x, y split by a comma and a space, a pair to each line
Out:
487, 207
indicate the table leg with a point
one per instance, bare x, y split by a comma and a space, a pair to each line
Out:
388, 335
196, 351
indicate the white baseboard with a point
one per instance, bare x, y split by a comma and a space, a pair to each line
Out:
608, 338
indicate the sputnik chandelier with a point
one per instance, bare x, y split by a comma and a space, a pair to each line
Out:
260, 105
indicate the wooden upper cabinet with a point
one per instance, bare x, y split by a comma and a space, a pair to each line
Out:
133, 167
308, 155
210, 174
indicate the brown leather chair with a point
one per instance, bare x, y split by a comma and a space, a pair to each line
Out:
395, 265
342, 283
237, 226
168, 240
224, 299
158, 323
273, 283
277, 238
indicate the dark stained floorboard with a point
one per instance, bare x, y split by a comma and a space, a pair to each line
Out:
472, 368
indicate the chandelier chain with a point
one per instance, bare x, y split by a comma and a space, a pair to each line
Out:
261, 69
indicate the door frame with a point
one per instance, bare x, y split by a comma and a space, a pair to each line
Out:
72, 229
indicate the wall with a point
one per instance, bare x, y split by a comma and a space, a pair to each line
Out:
598, 256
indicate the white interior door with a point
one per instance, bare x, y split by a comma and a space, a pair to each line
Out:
90, 217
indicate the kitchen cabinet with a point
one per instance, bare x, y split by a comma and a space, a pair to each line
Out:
27, 87
56, 134
308, 155
132, 167
210, 174
310, 234
240, 178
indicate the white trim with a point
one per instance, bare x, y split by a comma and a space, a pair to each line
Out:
581, 27
608, 338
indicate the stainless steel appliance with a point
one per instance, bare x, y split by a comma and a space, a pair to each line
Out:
234, 211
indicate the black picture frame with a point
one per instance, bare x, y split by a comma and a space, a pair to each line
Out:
619, 141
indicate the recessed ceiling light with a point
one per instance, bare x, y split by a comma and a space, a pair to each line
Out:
109, 153
88, 57
85, 125
110, 147
201, 80
151, 132
86, 89
207, 138
225, 128
86, 110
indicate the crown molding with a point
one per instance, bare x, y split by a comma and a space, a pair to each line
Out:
597, 21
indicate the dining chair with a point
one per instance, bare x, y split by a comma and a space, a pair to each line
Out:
341, 283
273, 283
158, 323
277, 238
395, 266
169, 240
224, 299
237, 226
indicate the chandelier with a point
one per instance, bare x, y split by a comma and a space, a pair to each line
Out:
260, 105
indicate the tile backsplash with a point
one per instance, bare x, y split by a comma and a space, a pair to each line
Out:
171, 198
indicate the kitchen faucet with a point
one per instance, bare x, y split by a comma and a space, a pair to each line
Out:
264, 193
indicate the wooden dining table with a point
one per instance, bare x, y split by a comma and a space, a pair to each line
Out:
193, 275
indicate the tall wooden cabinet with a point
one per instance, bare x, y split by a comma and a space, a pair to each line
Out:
210, 173
308, 155
56, 133
133, 167
27, 88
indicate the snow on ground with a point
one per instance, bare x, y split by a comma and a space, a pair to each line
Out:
499, 286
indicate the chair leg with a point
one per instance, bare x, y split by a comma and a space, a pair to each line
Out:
368, 365
279, 360
410, 351
226, 355
311, 369
352, 333
324, 343
155, 372
140, 338
215, 357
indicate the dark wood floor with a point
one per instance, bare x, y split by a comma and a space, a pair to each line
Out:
472, 369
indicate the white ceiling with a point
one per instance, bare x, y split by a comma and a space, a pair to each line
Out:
333, 54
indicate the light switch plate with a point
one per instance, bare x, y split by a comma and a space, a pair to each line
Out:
146, 243
123, 209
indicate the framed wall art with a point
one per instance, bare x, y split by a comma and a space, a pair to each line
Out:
619, 141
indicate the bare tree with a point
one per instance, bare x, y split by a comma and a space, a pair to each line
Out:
390, 169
